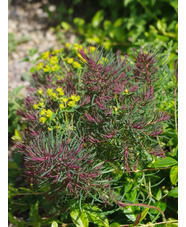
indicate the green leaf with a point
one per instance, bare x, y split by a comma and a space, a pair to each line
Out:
15, 221
17, 90
143, 214
65, 25
174, 4
174, 174
107, 24
54, 224
34, 217
126, 2
32, 52
173, 224
96, 215
25, 76
161, 26
129, 213
162, 206
17, 136
79, 218
97, 19
118, 22
115, 224
32, 70
173, 192
25, 59
165, 162
79, 21
17, 133
159, 194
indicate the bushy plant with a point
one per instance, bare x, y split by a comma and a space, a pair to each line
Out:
91, 115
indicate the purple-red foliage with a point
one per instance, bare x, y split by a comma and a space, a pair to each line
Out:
66, 166
145, 66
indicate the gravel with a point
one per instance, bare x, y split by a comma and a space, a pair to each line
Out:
27, 19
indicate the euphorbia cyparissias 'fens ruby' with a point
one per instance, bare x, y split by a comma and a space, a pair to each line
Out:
115, 120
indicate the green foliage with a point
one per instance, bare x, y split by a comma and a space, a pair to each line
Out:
96, 216
174, 174
79, 218
165, 162
13, 42
15, 102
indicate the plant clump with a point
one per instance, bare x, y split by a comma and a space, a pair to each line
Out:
88, 113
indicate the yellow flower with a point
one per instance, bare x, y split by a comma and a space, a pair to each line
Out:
60, 91
41, 104
72, 103
58, 78
49, 129
64, 100
55, 68
35, 106
126, 90
53, 82
54, 95
92, 49
81, 58
45, 55
49, 113
61, 106
76, 65
40, 91
80, 47
42, 112
75, 98
70, 60
76, 46
40, 66
53, 60
68, 45
46, 69
54, 52
42, 119
49, 91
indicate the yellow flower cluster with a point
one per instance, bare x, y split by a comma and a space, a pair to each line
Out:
54, 60
46, 69
45, 55
55, 68
74, 63
74, 46
77, 65
39, 105
72, 101
60, 91
40, 66
70, 60
55, 95
46, 115
52, 63
40, 91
